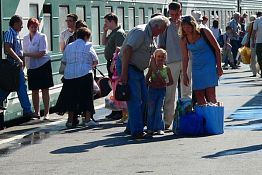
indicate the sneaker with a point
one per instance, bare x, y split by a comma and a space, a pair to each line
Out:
225, 68
46, 117
123, 119
126, 121
160, 132
167, 127
90, 123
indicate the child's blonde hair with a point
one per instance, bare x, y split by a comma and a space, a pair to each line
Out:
162, 51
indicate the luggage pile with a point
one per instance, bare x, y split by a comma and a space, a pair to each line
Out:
198, 120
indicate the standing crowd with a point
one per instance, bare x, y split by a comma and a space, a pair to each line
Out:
153, 60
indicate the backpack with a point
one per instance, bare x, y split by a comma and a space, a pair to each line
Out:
220, 40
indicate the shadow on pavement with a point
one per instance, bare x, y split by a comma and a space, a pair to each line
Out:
118, 139
250, 113
235, 151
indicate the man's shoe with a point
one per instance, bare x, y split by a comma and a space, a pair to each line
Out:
127, 131
142, 135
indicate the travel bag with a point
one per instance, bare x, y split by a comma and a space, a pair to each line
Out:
214, 118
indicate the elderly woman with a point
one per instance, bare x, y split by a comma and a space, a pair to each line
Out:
76, 95
38, 65
206, 64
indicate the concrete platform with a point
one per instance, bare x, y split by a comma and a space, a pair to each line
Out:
46, 147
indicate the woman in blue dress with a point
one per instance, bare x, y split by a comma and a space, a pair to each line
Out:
206, 60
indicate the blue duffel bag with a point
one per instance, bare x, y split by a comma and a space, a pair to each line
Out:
186, 122
214, 117
191, 124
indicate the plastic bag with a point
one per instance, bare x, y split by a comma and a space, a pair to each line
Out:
245, 54
110, 103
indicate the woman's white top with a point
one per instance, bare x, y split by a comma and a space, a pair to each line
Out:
37, 44
216, 32
79, 57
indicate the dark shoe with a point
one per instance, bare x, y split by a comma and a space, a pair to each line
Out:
127, 131
70, 125
253, 75
110, 115
2, 108
116, 117
142, 135
31, 115
234, 67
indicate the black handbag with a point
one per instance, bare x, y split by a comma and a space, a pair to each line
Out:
122, 92
104, 84
9, 75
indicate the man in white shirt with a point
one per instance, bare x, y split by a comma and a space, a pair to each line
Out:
71, 21
257, 38
169, 40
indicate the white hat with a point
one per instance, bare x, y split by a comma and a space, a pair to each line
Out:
197, 15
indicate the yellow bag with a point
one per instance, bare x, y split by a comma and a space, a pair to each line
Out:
245, 54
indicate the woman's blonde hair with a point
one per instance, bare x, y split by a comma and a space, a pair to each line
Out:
189, 20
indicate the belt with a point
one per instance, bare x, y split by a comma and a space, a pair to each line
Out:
135, 68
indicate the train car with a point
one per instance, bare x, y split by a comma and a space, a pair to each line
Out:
52, 15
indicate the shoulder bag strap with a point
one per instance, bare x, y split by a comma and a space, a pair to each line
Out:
96, 69
202, 32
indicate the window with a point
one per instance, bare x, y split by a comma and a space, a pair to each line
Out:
33, 11
108, 9
158, 10
120, 14
63, 12
141, 16
80, 12
150, 12
47, 24
131, 18
95, 25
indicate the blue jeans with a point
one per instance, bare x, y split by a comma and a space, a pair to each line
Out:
138, 97
21, 92
155, 104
